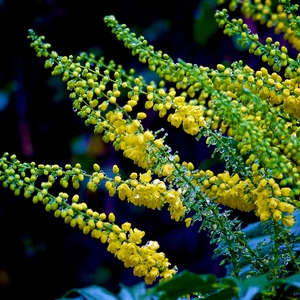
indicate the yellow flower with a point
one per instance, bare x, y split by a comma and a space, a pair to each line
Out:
126, 226
159, 143
286, 207
277, 215
141, 115
264, 216
273, 203
115, 169
135, 236
111, 218
149, 278
167, 170
168, 273
148, 136
176, 207
188, 222
146, 177
153, 245
124, 191
285, 191
224, 176
140, 270
175, 120
288, 221
114, 246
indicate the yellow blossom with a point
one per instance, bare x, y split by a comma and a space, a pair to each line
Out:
277, 215
115, 169
167, 170
188, 222
265, 215
286, 207
288, 221
285, 191
146, 177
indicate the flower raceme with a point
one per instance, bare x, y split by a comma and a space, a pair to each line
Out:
123, 241
237, 99
152, 194
266, 198
279, 19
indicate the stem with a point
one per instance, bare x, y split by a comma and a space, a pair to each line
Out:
290, 250
219, 221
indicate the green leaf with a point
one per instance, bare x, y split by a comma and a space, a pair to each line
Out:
92, 292
185, 283
229, 291
287, 286
249, 288
222, 294
132, 293
293, 280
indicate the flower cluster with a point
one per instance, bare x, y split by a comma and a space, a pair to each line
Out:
237, 101
266, 199
123, 241
147, 192
250, 116
283, 20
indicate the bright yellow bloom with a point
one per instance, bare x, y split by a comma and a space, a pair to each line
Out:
264, 216
167, 170
277, 215
285, 191
146, 177
115, 169
188, 222
288, 221
286, 207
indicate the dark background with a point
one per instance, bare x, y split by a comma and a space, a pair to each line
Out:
40, 256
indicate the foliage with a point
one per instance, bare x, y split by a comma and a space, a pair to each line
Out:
96, 292
200, 286
249, 116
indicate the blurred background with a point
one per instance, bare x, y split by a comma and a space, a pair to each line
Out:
40, 256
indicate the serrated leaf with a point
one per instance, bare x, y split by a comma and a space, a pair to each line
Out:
132, 293
185, 283
228, 292
249, 288
92, 292
293, 280
291, 284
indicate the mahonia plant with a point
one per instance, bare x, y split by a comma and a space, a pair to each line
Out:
250, 117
